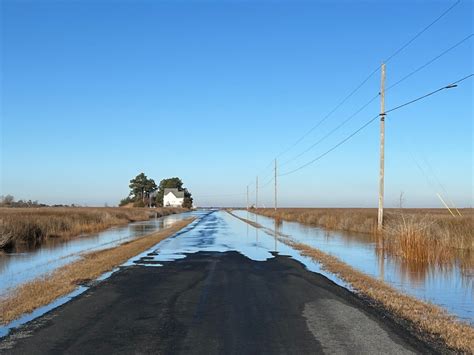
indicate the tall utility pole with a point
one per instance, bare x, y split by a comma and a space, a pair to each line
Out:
382, 148
276, 185
256, 194
247, 197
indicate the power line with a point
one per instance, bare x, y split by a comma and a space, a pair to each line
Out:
393, 55
449, 86
252, 182
452, 85
357, 88
422, 31
267, 183
330, 113
429, 62
330, 150
332, 131
374, 98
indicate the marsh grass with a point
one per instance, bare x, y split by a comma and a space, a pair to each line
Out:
431, 239
30, 227
427, 320
44, 290
425, 236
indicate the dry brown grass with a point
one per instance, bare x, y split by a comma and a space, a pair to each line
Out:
423, 236
42, 291
431, 239
29, 227
425, 317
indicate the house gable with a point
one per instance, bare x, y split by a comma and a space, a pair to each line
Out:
173, 198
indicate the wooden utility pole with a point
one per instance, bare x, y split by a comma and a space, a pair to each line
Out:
256, 194
382, 148
276, 185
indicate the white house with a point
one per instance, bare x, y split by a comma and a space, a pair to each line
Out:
173, 198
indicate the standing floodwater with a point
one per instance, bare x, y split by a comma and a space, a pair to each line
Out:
17, 268
451, 288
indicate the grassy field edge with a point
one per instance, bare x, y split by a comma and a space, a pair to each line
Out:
42, 291
425, 318
31, 227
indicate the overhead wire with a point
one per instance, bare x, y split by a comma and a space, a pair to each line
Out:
331, 132
451, 85
373, 72
390, 57
374, 98
422, 31
429, 62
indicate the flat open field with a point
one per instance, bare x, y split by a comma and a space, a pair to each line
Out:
216, 302
225, 284
30, 227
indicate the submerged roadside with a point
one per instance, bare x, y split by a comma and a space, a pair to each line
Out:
215, 302
27, 228
42, 291
427, 321
425, 236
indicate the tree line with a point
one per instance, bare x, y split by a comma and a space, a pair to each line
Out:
145, 192
9, 201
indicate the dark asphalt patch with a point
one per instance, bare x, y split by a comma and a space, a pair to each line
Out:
214, 303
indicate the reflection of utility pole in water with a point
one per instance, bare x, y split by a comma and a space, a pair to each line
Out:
381, 257
276, 233
256, 229
247, 228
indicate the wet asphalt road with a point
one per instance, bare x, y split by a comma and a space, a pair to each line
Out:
214, 303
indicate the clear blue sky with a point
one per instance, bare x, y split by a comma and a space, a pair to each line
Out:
95, 92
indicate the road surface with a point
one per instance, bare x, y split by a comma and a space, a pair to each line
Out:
217, 291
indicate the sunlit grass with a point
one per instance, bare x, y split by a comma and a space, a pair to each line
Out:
424, 318
42, 291
425, 236
30, 227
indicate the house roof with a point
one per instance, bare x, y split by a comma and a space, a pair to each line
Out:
175, 192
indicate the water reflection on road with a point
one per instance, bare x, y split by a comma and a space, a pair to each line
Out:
219, 231
448, 287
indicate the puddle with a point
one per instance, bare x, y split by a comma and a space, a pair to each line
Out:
17, 268
446, 287
218, 231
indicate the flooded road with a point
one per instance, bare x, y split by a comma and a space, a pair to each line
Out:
17, 268
217, 286
449, 288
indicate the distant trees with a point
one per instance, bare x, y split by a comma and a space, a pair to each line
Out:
9, 201
144, 192
173, 183
141, 188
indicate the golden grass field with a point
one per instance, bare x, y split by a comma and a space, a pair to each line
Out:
422, 236
44, 290
424, 317
30, 227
